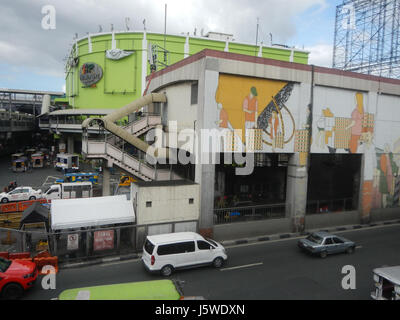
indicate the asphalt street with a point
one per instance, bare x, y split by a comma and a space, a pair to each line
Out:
259, 271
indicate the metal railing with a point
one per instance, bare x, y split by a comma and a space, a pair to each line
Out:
250, 213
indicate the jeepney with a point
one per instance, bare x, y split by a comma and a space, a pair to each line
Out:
387, 283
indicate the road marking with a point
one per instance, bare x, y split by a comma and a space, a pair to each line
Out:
241, 267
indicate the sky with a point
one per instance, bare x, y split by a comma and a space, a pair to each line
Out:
33, 57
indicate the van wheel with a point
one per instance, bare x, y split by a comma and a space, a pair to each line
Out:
4, 200
12, 291
32, 198
218, 262
166, 271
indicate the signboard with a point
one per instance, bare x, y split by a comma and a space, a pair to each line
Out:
103, 240
73, 242
90, 73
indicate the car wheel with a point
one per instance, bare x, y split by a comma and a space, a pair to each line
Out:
166, 271
350, 250
4, 200
12, 291
218, 262
323, 254
32, 198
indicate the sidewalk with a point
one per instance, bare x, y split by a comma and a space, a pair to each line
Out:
228, 243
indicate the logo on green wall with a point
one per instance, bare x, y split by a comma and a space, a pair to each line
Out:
90, 73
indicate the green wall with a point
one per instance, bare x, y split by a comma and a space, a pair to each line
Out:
121, 82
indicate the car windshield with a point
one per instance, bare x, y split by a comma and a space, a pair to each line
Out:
4, 264
212, 242
315, 238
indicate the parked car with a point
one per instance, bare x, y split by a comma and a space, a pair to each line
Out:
165, 253
323, 243
16, 277
20, 194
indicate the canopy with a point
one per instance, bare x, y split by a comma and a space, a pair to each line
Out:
91, 212
35, 213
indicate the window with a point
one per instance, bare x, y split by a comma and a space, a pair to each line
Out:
149, 247
337, 240
185, 247
328, 241
203, 245
315, 238
148, 204
176, 248
191, 201
194, 93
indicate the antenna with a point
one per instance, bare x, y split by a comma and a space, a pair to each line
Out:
165, 34
127, 21
144, 24
100, 28
112, 27
258, 21
195, 31
270, 35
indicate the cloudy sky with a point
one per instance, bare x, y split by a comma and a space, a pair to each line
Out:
33, 58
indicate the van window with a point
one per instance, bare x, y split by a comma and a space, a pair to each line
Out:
202, 245
149, 247
176, 248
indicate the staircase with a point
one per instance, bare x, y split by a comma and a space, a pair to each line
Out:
111, 149
115, 156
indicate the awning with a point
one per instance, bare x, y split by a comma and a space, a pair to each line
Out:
91, 212
35, 213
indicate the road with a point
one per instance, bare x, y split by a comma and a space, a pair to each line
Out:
264, 270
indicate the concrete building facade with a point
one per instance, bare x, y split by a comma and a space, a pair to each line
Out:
336, 133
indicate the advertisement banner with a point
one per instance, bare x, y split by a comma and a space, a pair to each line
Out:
103, 240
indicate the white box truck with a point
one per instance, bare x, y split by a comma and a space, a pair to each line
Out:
69, 191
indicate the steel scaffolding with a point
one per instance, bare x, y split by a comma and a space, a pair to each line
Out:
367, 37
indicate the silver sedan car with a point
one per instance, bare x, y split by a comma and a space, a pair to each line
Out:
323, 243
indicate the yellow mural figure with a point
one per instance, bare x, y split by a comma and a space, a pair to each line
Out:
274, 124
235, 93
250, 108
356, 123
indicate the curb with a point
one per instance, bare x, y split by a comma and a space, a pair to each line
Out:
305, 233
93, 262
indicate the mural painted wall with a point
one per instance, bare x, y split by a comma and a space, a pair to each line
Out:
264, 111
354, 122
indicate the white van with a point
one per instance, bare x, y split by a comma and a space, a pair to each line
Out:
166, 252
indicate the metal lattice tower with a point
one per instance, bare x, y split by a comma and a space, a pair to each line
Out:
367, 37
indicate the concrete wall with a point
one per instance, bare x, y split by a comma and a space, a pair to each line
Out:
316, 221
385, 214
239, 230
168, 203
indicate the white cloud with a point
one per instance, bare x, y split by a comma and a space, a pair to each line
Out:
321, 55
25, 43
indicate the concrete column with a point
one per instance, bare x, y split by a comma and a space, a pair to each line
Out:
296, 193
207, 113
70, 144
106, 181
368, 165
